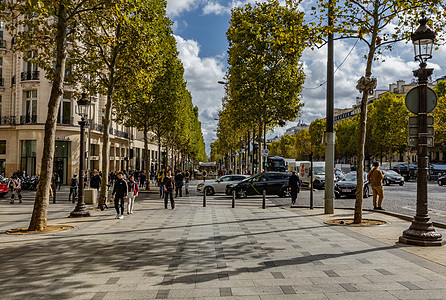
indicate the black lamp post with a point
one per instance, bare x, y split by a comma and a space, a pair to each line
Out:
83, 110
421, 232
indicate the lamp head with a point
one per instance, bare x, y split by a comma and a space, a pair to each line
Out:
423, 41
83, 106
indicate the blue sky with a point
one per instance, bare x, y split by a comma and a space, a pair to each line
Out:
200, 26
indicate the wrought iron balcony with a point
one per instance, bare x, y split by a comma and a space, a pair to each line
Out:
28, 119
29, 75
7, 120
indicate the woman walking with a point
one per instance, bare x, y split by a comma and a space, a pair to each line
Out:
132, 194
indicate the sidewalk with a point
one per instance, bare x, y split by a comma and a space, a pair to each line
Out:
216, 252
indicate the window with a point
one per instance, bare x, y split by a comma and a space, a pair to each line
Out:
29, 107
64, 116
1, 106
28, 157
2, 83
2, 147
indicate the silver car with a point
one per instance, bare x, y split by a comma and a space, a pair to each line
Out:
218, 186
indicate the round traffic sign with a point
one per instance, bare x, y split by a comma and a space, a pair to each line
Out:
412, 100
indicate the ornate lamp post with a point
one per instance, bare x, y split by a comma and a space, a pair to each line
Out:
83, 110
421, 232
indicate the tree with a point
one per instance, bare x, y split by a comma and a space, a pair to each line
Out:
316, 130
265, 76
302, 144
125, 33
346, 141
379, 25
439, 115
388, 130
41, 31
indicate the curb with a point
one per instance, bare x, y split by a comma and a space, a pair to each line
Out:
396, 215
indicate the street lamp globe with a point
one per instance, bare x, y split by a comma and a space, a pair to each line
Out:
423, 41
83, 107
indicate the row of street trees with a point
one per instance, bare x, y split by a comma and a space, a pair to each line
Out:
123, 49
257, 78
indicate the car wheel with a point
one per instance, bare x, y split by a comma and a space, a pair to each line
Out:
337, 195
401, 183
386, 182
285, 193
2, 195
440, 183
209, 191
366, 192
243, 194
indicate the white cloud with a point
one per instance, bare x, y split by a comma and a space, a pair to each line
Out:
176, 7
202, 76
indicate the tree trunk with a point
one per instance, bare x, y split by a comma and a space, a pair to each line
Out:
39, 217
365, 85
146, 158
259, 152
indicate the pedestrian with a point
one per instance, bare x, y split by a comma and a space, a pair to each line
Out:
294, 186
142, 179
375, 177
74, 183
53, 186
160, 178
168, 187
204, 175
186, 182
16, 185
119, 194
179, 178
132, 194
95, 180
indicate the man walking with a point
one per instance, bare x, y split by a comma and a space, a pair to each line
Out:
74, 183
179, 177
168, 186
16, 185
120, 189
375, 177
294, 186
160, 178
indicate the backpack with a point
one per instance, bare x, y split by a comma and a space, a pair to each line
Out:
73, 182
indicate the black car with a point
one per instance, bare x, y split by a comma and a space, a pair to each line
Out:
274, 183
442, 180
391, 176
347, 186
407, 172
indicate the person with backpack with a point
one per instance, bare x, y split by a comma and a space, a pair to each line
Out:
120, 189
186, 182
179, 178
160, 177
74, 183
16, 186
168, 187
133, 190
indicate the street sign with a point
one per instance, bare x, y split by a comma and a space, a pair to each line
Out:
265, 152
412, 100
413, 131
413, 142
413, 121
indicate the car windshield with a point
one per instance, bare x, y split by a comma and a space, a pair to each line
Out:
350, 177
224, 178
319, 170
390, 172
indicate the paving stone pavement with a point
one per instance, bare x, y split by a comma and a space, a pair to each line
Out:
214, 252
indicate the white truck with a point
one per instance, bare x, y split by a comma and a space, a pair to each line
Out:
318, 174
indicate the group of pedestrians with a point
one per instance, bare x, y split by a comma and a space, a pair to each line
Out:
168, 184
124, 190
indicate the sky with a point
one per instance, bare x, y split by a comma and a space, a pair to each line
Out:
200, 26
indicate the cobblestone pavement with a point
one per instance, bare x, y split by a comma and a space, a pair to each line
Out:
214, 252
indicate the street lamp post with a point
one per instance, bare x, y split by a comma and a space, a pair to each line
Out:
82, 109
421, 232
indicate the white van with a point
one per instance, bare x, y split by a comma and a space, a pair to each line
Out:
318, 174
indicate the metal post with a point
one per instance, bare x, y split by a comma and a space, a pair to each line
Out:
264, 200
421, 232
204, 198
311, 180
80, 209
233, 198
329, 134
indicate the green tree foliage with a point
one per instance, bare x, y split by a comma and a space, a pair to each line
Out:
265, 76
346, 141
302, 144
117, 42
316, 130
285, 147
378, 25
388, 125
439, 115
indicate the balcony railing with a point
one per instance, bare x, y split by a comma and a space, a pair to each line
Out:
7, 120
112, 131
28, 119
2, 82
29, 75
2, 44
66, 121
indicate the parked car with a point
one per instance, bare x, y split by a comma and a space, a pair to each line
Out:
407, 173
274, 183
219, 186
347, 186
391, 176
442, 180
3, 187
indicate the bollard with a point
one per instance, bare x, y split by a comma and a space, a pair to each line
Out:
204, 198
233, 199
264, 200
